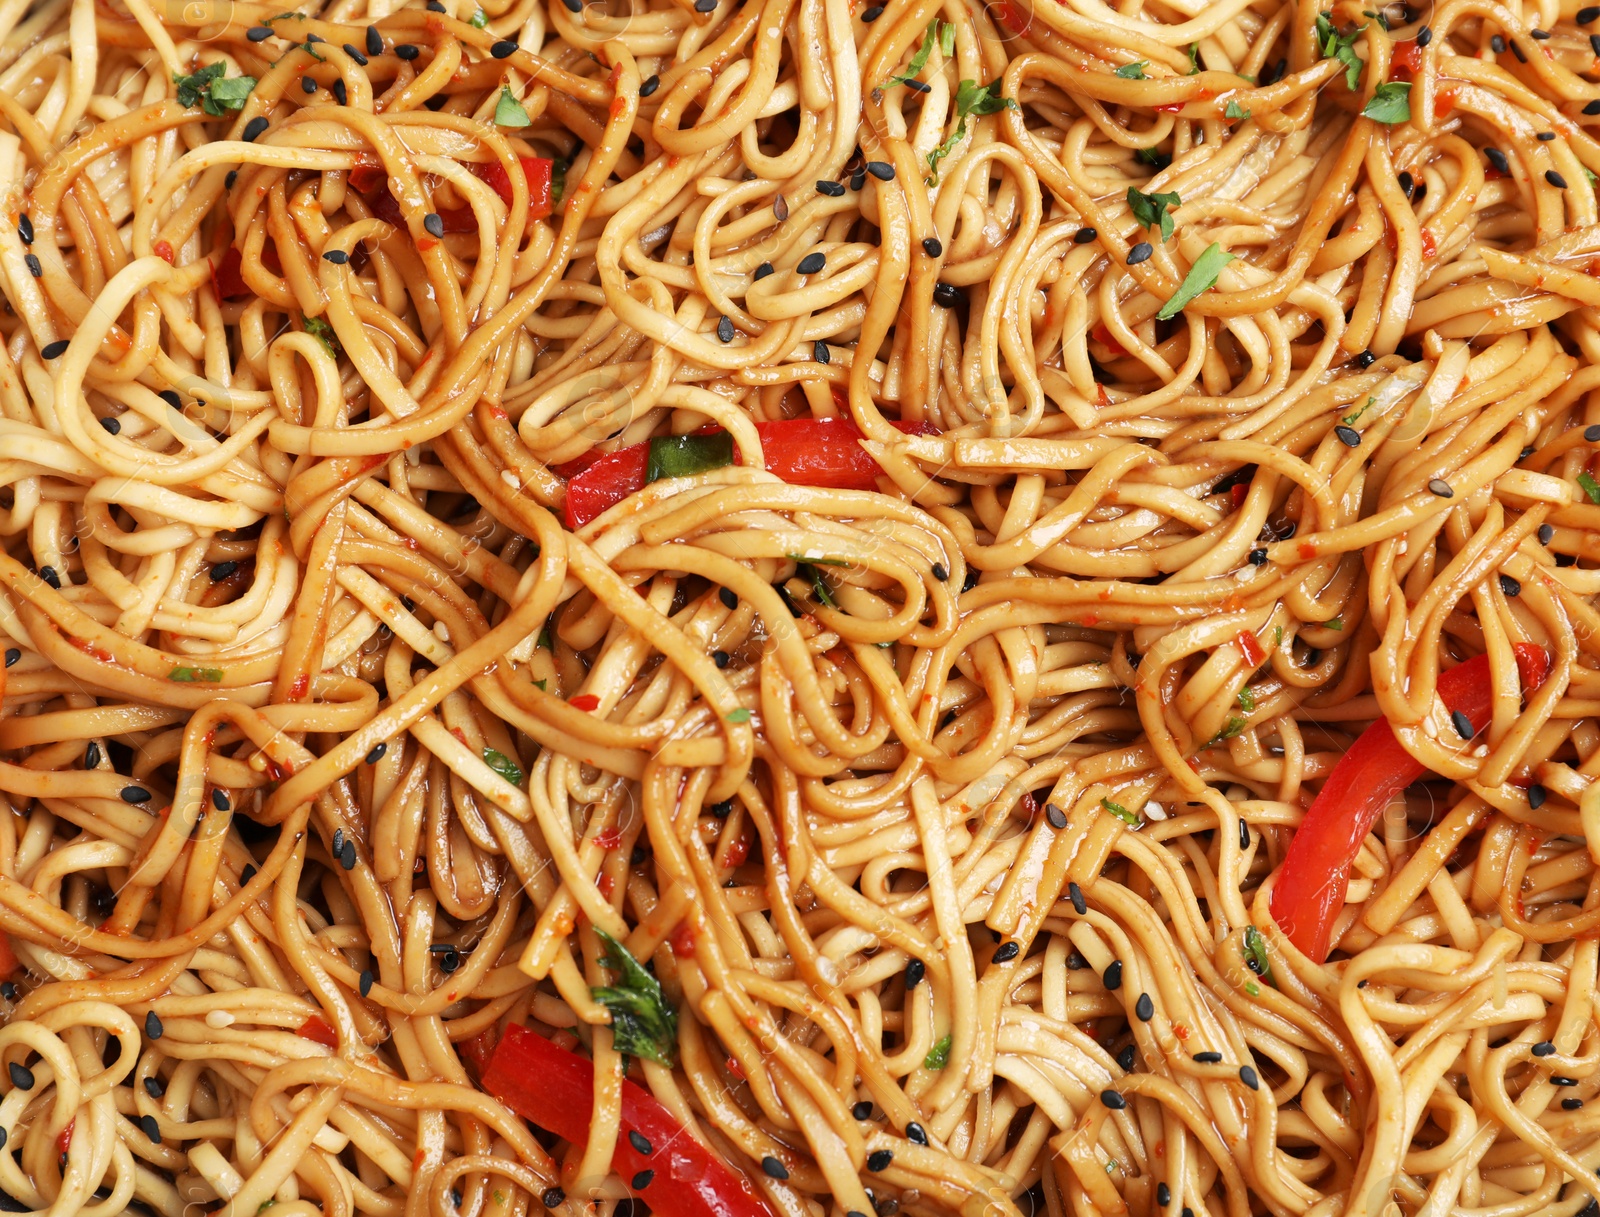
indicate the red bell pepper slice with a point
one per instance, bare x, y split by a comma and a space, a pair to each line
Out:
538, 170
226, 279
1315, 875
555, 1089
1406, 59
801, 451
317, 1030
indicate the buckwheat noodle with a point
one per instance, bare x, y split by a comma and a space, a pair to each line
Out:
946, 813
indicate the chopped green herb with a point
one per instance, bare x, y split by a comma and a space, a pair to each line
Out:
819, 585
1590, 487
208, 676
323, 332
1351, 417
1589, 173
1122, 813
1383, 22
1234, 110
208, 90
642, 1023
1255, 952
1337, 623
1253, 989
503, 765
478, 20
499, 1196
558, 177
741, 715
508, 111
1201, 277
1154, 210
1194, 59
284, 17
1278, 639
1154, 156
1335, 45
947, 39
971, 99
939, 1055
817, 561
1247, 700
544, 638
681, 456
1391, 103
1231, 728
937, 31
1132, 71
541, 684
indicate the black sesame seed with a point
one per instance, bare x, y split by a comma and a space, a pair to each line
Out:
318, 37
347, 855
1144, 1008
1591, 108
861, 1111
1498, 159
56, 349
1571, 1104
916, 1135
946, 295
1547, 533
1058, 821
1247, 1075
503, 49
1497, 44
762, 271
34, 267
858, 179
112, 425
406, 51
375, 47
879, 1160
1441, 488
1541, 35
1113, 1100
774, 1168
1516, 49
25, 228
338, 841
932, 246
154, 1088
1208, 1058
350, 50
1076, 962
433, 223
1594, 43
12, 655
833, 190
134, 794
700, 6
1557, 1080
223, 570
337, 256
1163, 1195
1406, 183
1366, 359
152, 1025
148, 1126
1140, 253
725, 329
248, 873
376, 754
307, 85
819, 351
1587, 15
1424, 35
340, 93
882, 170
872, 14
940, 573
1544, 137
1257, 557
649, 86
721, 658
811, 264
1348, 436
21, 1076
1536, 796
1113, 975
729, 600
639, 1141
48, 574
1461, 723
364, 983
915, 970
1083, 236
1544, 1048
1006, 952
1510, 586
1555, 179
91, 755
258, 33
1244, 835
254, 129
552, 1197
780, 208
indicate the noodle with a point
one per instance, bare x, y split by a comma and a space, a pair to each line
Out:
818, 558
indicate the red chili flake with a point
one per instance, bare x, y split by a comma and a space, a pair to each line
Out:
1105, 398
316, 1029
735, 1068
477, 1050
1170, 108
64, 1137
1236, 495
584, 701
1430, 248
1030, 806
1251, 646
738, 851
298, 689
605, 885
461, 736
1106, 338
1307, 550
1444, 101
1533, 665
682, 940
609, 838
1180, 1030
162, 250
